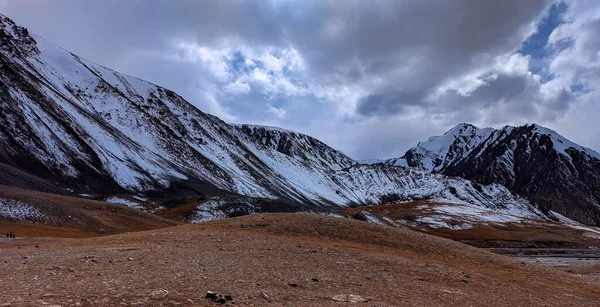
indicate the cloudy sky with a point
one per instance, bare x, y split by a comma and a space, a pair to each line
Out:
370, 78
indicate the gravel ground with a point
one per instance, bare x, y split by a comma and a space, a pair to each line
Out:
277, 260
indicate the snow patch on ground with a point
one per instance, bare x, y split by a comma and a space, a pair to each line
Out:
122, 201
331, 214
13, 209
585, 228
140, 198
208, 211
436, 222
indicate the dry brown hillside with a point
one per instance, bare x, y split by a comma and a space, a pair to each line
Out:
65, 216
277, 260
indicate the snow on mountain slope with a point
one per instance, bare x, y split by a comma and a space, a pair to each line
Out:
94, 130
438, 152
533, 161
561, 144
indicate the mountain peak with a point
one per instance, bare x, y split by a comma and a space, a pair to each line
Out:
14, 38
532, 160
462, 126
560, 143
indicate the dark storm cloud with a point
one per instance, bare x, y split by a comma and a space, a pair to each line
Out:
391, 56
507, 98
116, 26
388, 104
350, 40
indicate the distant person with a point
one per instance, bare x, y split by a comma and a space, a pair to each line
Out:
8, 235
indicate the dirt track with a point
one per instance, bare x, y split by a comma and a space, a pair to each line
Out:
277, 259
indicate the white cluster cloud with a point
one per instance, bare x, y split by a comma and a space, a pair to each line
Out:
579, 64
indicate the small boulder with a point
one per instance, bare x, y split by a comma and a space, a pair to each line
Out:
211, 295
218, 298
349, 298
158, 294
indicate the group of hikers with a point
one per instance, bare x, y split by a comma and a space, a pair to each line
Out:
11, 235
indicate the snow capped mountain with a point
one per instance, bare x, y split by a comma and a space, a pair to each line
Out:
531, 160
439, 152
88, 129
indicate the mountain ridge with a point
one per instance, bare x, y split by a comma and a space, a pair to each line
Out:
90, 130
531, 160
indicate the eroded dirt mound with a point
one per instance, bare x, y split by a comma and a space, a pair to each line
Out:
277, 259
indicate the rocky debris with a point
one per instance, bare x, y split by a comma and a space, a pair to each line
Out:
217, 297
349, 298
160, 294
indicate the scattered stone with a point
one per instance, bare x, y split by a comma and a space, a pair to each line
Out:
293, 285
218, 298
349, 298
264, 295
25, 257
158, 294
315, 280
466, 281
211, 295
129, 258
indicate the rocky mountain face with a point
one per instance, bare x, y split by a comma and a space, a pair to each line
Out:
72, 125
535, 162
